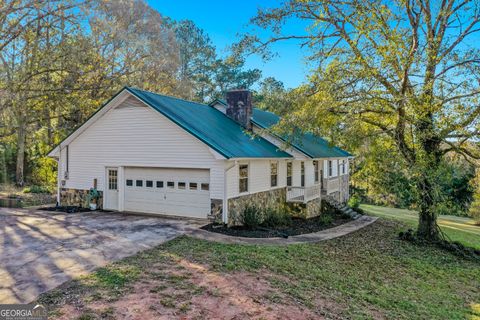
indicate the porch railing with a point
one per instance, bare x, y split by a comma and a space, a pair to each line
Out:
331, 185
303, 194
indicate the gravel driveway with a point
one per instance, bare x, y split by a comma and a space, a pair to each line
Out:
39, 250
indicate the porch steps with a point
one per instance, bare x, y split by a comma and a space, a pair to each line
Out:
342, 207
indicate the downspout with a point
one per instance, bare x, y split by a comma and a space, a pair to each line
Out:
225, 204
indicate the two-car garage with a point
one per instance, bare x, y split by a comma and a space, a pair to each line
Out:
180, 192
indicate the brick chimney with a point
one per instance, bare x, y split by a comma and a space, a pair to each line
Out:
239, 107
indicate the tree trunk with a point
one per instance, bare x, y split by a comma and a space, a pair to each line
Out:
21, 134
427, 220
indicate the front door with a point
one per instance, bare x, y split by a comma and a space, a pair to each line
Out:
111, 190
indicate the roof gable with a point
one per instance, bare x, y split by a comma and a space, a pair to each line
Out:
210, 126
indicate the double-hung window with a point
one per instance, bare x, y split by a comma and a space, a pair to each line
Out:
302, 174
316, 172
289, 174
243, 178
273, 174
330, 168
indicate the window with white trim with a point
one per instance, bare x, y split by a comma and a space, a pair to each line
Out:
330, 168
316, 170
289, 174
243, 178
273, 174
302, 174
112, 179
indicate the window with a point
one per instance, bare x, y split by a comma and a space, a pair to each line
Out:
139, 183
112, 180
315, 168
289, 174
330, 168
205, 186
159, 184
193, 186
344, 166
170, 184
181, 185
243, 178
149, 184
273, 173
129, 182
302, 174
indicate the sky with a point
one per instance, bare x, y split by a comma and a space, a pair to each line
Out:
223, 20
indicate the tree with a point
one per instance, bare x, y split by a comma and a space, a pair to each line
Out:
197, 61
32, 51
272, 96
229, 74
405, 69
475, 205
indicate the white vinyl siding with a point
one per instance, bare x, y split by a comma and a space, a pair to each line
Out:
258, 177
137, 136
336, 167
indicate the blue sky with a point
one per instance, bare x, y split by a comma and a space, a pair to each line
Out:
223, 20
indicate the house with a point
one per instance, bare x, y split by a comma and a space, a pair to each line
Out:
151, 153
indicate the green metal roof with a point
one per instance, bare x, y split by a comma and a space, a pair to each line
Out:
211, 126
309, 144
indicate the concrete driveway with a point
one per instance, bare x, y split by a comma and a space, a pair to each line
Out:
39, 250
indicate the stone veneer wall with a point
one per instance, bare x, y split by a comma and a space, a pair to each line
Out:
216, 210
77, 197
275, 199
344, 188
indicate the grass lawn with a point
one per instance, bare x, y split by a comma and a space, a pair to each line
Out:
369, 274
460, 229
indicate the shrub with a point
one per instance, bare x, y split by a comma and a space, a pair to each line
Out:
354, 201
251, 217
475, 209
326, 219
36, 189
276, 218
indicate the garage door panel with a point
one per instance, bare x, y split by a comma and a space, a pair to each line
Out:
160, 198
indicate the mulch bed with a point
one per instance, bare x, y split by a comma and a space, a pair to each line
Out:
66, 209
298, 226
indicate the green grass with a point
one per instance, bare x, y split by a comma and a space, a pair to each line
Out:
460, 229
367, 274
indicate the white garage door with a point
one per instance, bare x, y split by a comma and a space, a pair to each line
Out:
180, 192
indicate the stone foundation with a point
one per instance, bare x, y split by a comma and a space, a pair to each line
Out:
268, 199
344, 188
77, 197
216, 210
272, 199
305, 210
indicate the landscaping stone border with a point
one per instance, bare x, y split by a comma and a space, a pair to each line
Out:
323, 235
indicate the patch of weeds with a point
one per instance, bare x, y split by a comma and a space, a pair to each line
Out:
158, 288
167, 302
274, 297
215, 292
107, 313
87, 315
115, 277
184, 307
198, 290
55, 313
95, 296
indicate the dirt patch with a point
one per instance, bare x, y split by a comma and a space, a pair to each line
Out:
187, 290
296, 227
